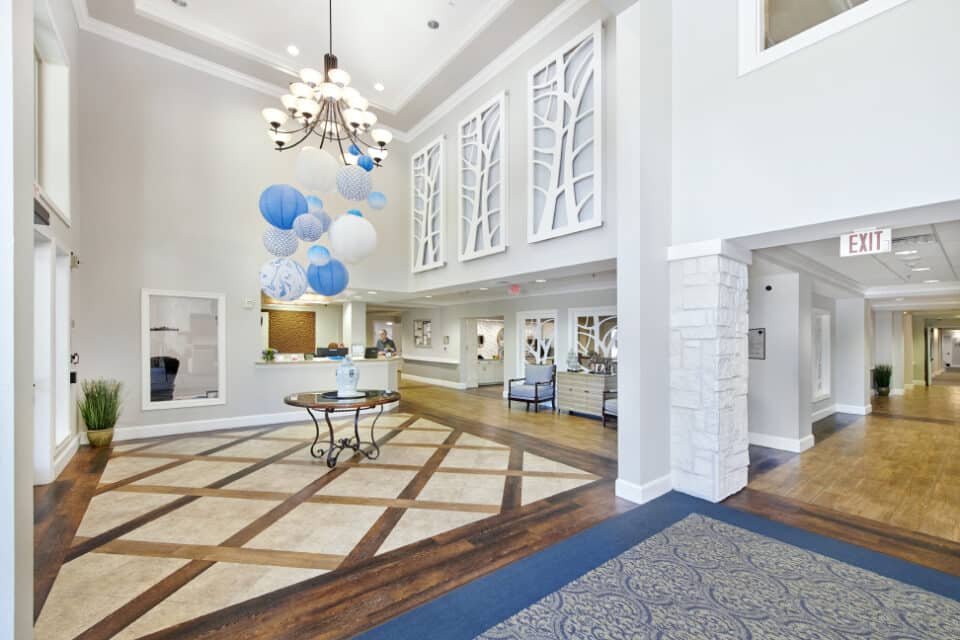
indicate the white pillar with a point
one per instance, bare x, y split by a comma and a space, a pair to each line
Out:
852, 385
907, 351
16, 319
708, 374
354, 323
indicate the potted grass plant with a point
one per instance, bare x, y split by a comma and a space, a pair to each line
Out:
881, 378
100, 408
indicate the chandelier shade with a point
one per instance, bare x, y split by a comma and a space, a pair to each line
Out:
322, 103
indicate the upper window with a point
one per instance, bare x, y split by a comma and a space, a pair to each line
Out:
773, 29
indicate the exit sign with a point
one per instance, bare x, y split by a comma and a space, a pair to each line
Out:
861, 243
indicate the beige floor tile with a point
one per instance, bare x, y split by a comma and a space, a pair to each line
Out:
464, 487
477, 459
539, 488
533, 462
203, 521
404, 455
93, 586
256, 448
419, 524
127, 446
371, 483
424, 423
125, 466
222, 585
421, 437
113, 508
319, 528
195, 473
288, 478
305, 431
188, 445
475, 441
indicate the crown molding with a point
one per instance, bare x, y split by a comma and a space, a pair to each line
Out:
913, 290
499, 64
793, 260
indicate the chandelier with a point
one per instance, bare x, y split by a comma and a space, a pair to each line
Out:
324, 104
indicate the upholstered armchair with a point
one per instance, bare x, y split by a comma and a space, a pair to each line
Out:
536, 387
163, 374
609, 406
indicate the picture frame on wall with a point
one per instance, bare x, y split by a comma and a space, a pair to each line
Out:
422, 333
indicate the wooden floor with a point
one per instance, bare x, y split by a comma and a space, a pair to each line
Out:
367, 588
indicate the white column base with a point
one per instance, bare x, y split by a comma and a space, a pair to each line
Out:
795, 445
643, 493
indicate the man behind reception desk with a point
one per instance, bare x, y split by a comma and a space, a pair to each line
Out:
385, 344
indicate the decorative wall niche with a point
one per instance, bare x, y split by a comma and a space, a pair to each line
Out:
426, 194
564, 146
483, 181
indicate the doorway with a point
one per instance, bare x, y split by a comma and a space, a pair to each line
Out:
481, 351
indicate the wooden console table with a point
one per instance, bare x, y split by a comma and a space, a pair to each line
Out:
583, 392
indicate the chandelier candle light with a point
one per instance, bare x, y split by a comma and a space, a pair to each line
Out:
324, 104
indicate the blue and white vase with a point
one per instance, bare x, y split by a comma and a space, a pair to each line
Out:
347, 378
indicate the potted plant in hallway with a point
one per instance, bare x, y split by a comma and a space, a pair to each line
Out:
100, 408
881, 378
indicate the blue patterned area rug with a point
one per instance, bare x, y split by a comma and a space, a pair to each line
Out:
681, 568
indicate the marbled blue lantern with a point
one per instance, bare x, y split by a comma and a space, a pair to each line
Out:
318, 255
329, 279
280, 204
283, 279
376, 200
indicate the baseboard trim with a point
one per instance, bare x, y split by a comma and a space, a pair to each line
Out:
860, 410
65, 454
642, 493
896, 392
214, 424
823, 413
795, 445
435, 381
919, 383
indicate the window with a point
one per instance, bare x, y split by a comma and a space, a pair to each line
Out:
538, 337
821, 355
594, 332
51, 74
183, 355
773, 29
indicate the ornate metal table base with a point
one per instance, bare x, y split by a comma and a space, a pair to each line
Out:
336, 447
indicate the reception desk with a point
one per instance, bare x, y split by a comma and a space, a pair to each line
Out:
320, 374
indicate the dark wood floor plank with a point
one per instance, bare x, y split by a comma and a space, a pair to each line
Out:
513, 486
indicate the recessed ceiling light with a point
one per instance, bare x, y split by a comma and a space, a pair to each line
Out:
292, 49
921, 269
433, 24
484, 288
899, 299
905, 252
427, 296
378, 86
539, 280
373, 293
180, 3
930, 281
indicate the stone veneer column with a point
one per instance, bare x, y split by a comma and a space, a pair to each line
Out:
708, 375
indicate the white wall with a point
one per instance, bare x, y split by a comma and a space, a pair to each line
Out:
827, 133
16, 315
852, 356
520, 257
174, 163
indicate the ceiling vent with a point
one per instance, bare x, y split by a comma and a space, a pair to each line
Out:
913, 241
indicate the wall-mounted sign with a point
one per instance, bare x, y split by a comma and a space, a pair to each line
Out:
861, 243
757, 344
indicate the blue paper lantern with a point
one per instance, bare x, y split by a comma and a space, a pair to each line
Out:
283, 279
308, 227
314, 203
376, 200
354, 149
355, 212
318, 255
323, 217
280, 242
329, 279
280, 204
353, 183
365, 162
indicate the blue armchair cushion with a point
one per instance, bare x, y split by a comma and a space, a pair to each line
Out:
535, 373
526, 391
610, 406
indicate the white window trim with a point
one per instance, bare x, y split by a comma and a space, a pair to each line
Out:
146, 403
522, 317
751, 32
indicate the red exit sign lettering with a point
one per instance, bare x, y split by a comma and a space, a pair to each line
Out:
860, 243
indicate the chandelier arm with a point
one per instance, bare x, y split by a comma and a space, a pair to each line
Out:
298, 142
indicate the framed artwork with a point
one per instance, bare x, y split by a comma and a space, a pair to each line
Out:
483, 194
422, 333
426, 206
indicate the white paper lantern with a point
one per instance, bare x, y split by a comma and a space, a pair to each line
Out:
283, 279
352, 238
353, 183
280, 242
308, 227
316, 169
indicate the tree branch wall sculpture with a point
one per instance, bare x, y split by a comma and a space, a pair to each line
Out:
483, 176
564, 151
426, 179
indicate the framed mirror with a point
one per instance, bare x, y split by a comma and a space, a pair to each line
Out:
183, 354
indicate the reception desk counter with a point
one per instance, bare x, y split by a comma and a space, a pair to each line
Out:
320, 374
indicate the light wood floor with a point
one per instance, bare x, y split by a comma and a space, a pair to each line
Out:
899, 466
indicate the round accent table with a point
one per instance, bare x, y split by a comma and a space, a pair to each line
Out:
329, 402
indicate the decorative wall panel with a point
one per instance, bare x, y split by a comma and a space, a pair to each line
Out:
483, 181
538, 336
426, 177
595, 331
564, 147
